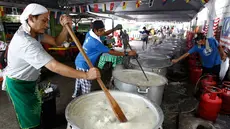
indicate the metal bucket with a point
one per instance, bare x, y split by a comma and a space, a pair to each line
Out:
153, 93
75, 105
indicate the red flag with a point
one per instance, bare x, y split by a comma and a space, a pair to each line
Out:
111, 6
204, 1
138, 3
1, 11
96, 8
74, 9
164, 2
124, 5
81, 9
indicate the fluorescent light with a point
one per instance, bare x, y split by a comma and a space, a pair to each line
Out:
73, 14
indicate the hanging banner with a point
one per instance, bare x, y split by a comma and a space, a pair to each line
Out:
151, 3
82, 9
138, 3
96, 8
88, 8
103, 7
164, 2
187, 1
204, 1
111, 6
124, 4
74, 9
1, 11
225, 33
14, 11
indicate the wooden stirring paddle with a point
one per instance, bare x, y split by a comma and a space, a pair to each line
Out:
116, 108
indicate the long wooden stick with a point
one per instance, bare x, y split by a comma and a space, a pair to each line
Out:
116, 108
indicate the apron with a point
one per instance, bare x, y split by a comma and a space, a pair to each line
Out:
26, 101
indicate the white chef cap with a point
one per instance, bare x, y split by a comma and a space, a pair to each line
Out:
32, 9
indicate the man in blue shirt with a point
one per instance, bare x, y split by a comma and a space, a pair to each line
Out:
210, 57
94, 47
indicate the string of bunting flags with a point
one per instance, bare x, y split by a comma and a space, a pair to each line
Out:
111, 6
123, 4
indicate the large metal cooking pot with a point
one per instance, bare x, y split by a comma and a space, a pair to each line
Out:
148, 54
174, 45
157, 65
162, 51
166, 48
74, 106
153, 93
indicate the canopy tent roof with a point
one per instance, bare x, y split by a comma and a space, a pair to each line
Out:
178, 10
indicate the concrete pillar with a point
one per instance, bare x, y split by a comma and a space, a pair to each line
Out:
211, 16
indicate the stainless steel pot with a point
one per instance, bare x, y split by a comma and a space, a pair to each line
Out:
118, 95
162, 51
153, 93
157, 65
148, 54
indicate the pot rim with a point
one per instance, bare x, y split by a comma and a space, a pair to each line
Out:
135, 70
148, 102
160, 67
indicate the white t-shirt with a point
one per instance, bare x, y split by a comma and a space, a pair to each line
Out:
26, 56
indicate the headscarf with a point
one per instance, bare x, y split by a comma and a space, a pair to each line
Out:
31, 9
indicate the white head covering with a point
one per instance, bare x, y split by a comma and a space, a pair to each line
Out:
31, 9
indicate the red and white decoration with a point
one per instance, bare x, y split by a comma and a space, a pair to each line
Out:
205, 28
215, 26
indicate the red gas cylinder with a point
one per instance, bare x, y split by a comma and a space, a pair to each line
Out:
195, 73
210, 103
209, 80
226, 98
192, 62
